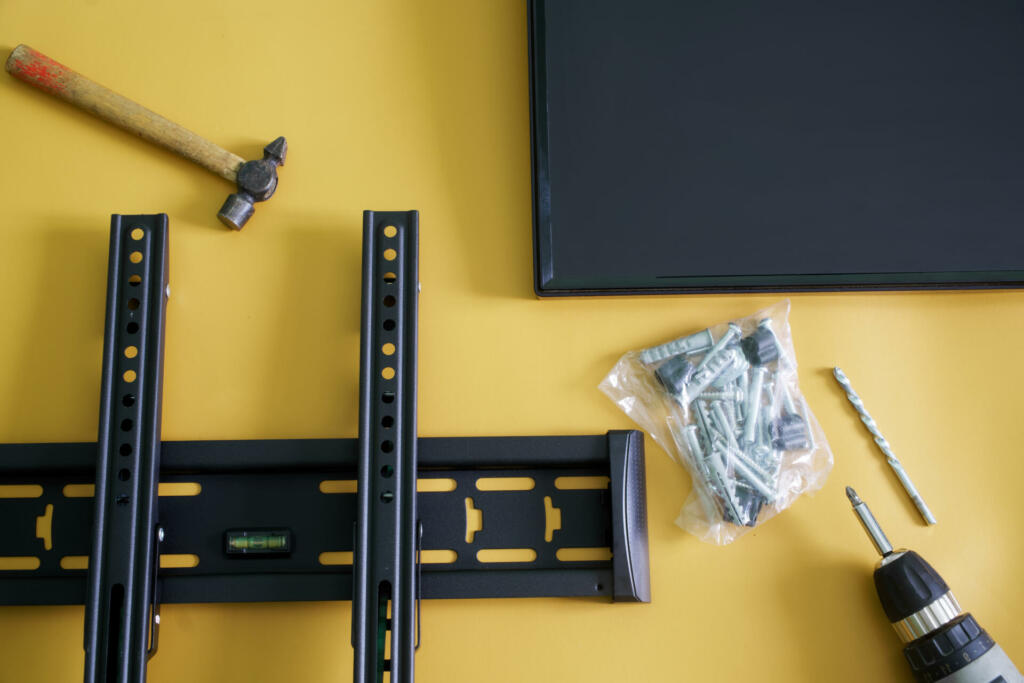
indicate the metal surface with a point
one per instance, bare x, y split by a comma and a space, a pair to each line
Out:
870, 524
883, 445
384, 564
257, 181
120, 603
595, 483
928, 619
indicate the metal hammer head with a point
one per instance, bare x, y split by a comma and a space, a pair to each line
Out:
257, 181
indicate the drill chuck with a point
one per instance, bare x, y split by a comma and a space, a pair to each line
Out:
942, 642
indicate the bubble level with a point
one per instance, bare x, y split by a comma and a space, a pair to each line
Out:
258, 541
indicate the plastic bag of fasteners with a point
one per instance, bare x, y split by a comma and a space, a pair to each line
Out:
725, 402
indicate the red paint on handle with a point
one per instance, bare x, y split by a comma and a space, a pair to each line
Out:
37, 69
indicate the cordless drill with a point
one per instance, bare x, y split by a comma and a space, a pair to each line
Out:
942, 642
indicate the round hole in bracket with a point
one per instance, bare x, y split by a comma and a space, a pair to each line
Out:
131, 351
388, 373
387, 446
387, 422
133, 304
129, 375
128, 400
388, 397
389, 301
598, 587
387, 497
122, 499
126, 449
125, 474
390, 231
388, 349
387, 471
389, 278
132, 327
389, 324
137, 234
135, 257
126, 425
135, 280
389, 255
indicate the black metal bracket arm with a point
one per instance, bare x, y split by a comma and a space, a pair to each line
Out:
385, 520
121, 613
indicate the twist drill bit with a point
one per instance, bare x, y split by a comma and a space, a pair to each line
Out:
883, 445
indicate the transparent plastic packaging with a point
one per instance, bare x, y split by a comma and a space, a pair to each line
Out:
725, 402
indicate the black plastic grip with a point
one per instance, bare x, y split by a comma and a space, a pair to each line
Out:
906, 585
948, 649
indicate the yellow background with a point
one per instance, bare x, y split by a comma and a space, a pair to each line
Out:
406, 104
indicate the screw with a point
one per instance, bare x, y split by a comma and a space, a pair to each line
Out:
722, 422
753, 403
160, 534
751, 473
730, 334
736, 396
692, 440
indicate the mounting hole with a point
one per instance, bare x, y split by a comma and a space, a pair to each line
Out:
135, 257
128, 400
389, 301
126, 449
390, 231
598, 587
389, 255
388, 349
122, 499
387, 471
129, 375
387, 497
387, 446
131, 351
132, 327
388, 373
388, 397
389, 324
135, 280
387, 421
126, 425
137, 234
389, 278
133, 304
124, 475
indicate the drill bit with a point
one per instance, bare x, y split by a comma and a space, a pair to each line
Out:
870, 524
883, 445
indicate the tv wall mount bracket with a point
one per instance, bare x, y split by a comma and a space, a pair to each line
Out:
384, 520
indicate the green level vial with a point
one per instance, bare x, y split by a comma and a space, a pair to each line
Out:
258, 542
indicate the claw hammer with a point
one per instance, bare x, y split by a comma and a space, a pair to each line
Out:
256, 179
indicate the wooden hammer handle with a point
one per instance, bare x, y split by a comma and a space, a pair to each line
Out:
38, 70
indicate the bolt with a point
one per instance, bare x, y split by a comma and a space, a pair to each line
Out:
160, 534
753, 403
692, 440
787, 400
732, 333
